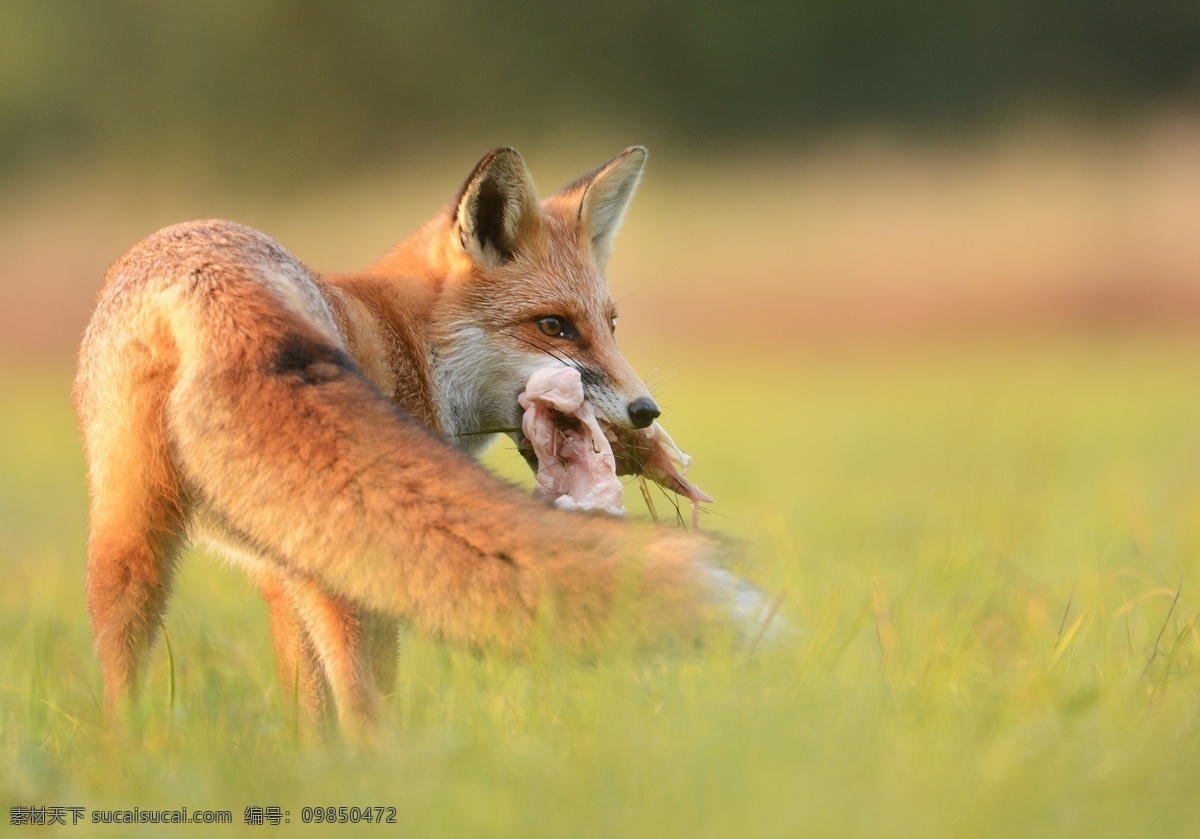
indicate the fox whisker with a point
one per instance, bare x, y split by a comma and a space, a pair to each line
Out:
485, 432
543, 348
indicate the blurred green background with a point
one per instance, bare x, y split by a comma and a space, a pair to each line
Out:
262, 87
853, 168
917, 284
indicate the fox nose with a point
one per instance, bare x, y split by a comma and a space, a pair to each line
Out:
643, 411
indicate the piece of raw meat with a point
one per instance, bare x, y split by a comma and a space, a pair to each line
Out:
577, 456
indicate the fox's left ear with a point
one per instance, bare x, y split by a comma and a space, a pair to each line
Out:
606, 195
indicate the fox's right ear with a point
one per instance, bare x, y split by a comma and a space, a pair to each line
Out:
606, 195
497, 208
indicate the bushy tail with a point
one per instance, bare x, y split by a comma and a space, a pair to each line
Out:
281, 437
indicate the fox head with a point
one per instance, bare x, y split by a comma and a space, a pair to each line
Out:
524, 288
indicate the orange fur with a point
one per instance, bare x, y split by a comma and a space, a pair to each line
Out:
300, 423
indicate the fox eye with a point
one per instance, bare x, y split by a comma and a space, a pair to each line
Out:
612, 324
555, 327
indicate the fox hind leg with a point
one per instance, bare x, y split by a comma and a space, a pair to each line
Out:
383, 648
343, 638
136, 529
128, 583
297, 664
321, 642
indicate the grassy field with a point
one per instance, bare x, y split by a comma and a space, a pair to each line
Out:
990, 553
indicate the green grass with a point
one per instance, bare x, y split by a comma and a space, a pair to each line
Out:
981, 549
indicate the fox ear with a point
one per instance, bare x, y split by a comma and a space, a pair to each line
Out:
606, 196
496, 208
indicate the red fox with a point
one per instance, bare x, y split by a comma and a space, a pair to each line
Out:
318, 430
